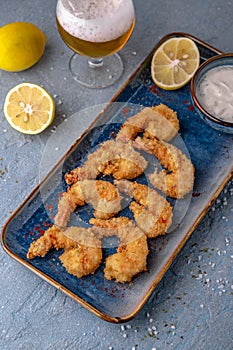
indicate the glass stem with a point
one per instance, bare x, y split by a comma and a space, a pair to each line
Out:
95, 62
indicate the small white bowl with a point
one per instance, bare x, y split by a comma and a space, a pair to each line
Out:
214, 121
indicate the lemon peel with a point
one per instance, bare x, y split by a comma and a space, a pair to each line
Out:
174, 63
22, 45
29, 108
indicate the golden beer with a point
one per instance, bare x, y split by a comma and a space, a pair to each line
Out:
95, 30
94, 49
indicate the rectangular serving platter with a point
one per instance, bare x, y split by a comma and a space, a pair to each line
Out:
211, 153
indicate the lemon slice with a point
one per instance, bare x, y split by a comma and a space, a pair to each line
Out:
29, 108
174, 63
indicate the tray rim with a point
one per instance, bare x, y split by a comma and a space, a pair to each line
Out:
159, 277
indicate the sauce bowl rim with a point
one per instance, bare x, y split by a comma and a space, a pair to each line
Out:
193, 89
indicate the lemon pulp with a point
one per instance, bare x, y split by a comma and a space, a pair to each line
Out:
29, 108
174, 63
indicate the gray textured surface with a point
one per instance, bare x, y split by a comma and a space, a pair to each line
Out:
192, 306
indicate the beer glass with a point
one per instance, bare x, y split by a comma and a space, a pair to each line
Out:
95, 30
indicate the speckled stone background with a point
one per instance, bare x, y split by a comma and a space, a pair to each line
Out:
192, 306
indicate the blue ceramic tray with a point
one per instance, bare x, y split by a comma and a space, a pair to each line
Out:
212, 155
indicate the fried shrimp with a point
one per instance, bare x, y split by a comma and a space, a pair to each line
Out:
111, 158
130, 260
152, 212
131, 256
52, 238
106, 228
82, 250
86, 257
159, 120
102, 195
178, 179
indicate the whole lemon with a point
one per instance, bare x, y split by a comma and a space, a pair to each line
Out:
21, 46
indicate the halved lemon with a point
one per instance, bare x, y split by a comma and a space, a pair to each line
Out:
174, 63
29, 108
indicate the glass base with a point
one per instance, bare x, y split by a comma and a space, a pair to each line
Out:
96, 73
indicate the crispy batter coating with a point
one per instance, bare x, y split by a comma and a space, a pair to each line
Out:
82, 250
131, 256
82, 247
111, 158
52, 238
107, 228
161, 121
86, 257
102, 195
130, 259
152, 212
81, 261
67, 204
178, 180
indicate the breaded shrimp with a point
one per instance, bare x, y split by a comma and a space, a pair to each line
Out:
130, 259
102, 195
68, 203
159, 120
86, 257
178, 180
107, 228
152, 212
52, 238
81, 261
111, 158
82, 250
131, 256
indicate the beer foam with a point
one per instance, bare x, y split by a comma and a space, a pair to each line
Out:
96, 21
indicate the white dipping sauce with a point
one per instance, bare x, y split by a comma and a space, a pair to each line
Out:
215, 92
